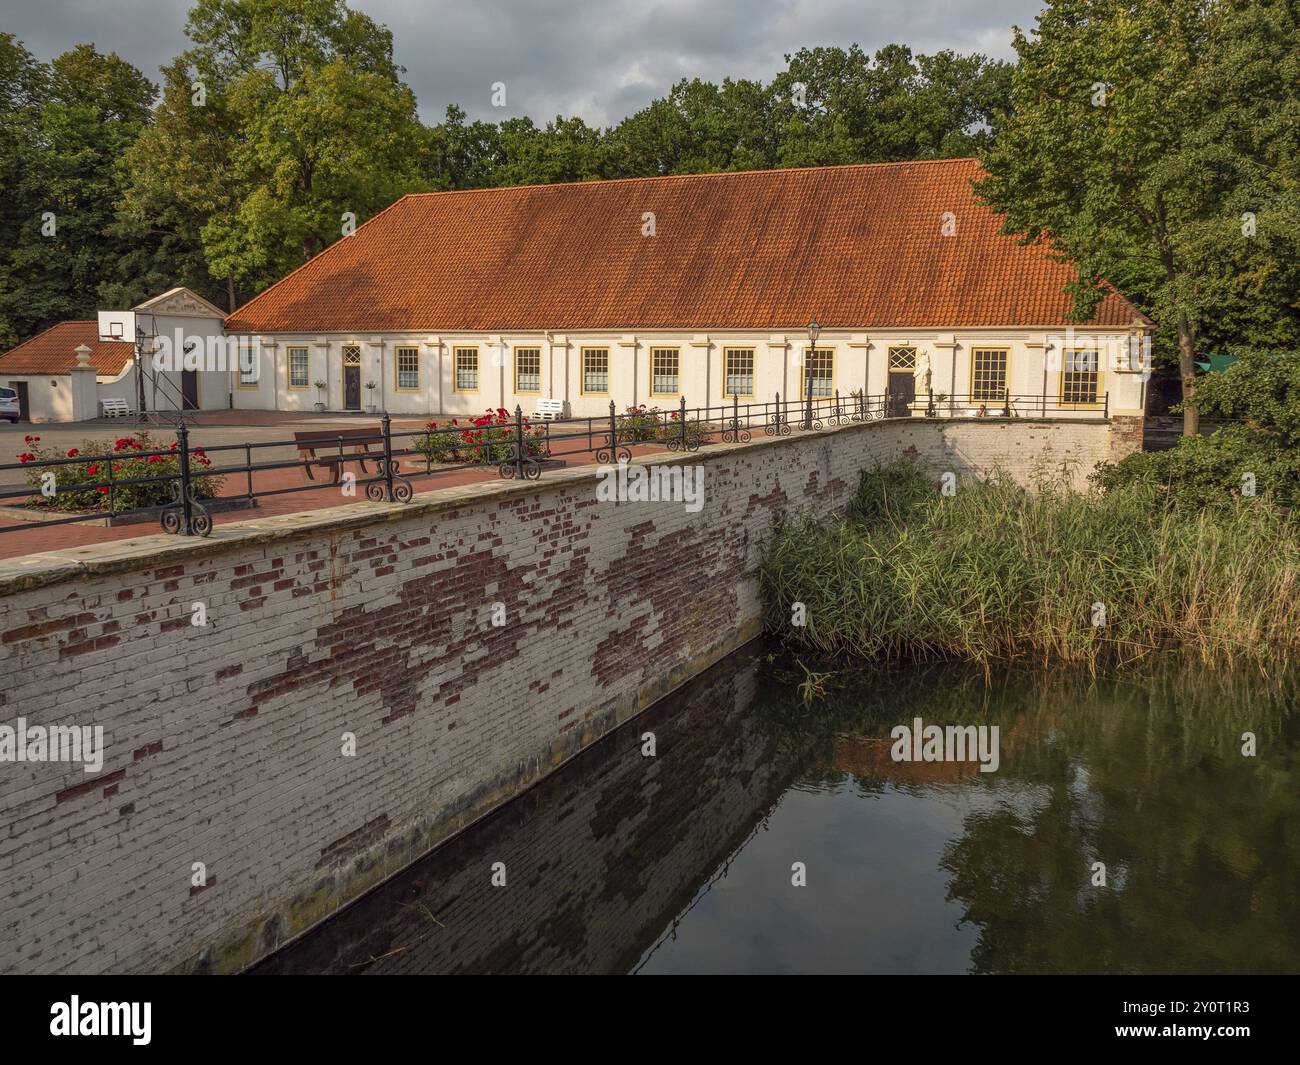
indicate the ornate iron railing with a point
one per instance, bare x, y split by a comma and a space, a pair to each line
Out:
512, 444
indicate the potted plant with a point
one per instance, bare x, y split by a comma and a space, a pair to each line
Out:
370, 403
320, 391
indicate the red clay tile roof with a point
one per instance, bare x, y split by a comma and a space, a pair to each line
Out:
851, 246
54, 351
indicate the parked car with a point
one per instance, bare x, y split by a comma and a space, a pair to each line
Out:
9, 404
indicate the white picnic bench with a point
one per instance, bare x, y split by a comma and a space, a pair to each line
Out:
549, 410
116, 408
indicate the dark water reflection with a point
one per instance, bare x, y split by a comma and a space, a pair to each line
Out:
682, 862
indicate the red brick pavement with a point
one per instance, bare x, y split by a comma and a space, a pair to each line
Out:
27, 538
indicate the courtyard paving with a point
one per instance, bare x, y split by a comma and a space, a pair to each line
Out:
209, 429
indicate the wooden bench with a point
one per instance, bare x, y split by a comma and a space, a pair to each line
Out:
359, 440
116, 408
549, 410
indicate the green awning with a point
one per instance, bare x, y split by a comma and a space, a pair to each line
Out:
1217, 363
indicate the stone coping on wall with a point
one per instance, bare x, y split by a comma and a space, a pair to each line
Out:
28, 572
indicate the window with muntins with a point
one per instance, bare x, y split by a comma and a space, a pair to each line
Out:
466, 370
819, 374
528, 369
664, 379
408, 369
988, 373
595, 370
1079, 377
298, 368
738, 372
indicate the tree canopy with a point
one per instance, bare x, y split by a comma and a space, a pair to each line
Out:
1153, 143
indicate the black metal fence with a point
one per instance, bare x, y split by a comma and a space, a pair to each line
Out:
190, 483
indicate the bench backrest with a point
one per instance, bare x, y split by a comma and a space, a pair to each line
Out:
550, 406
115, 404
314, 438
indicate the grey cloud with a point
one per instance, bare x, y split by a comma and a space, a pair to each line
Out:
598, 60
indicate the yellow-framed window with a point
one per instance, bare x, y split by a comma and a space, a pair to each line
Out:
528, 369
407, 369
595, 371
465, 373
738, 373
818, 373
299, 368
988, 373
665, 367
1080, 377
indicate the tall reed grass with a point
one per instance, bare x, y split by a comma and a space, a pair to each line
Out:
995, 573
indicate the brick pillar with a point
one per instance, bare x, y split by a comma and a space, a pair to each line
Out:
1126, 431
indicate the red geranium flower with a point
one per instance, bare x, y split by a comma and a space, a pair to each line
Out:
73, 452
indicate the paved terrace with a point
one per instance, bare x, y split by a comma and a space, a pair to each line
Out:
209, 428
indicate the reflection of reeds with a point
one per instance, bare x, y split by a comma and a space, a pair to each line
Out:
995, 573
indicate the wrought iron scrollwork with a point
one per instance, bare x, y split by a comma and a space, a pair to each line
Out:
527, 468
734, 433
777, 426
612, 452
173, 517
389, 470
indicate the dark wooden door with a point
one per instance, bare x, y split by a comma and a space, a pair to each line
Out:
902, 391
24, 411
352, 387
190, 389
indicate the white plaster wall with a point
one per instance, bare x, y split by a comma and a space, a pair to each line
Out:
861, 358
49, 396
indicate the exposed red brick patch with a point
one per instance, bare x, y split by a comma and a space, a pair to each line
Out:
98, 644
146, 750
45, 628
87, 786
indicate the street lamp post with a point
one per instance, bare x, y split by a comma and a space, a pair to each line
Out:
814, 330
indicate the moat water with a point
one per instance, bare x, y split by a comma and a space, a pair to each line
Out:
1123, 831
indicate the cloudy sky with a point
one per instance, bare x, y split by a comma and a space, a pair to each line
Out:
600, 60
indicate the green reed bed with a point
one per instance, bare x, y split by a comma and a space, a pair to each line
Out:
995, 572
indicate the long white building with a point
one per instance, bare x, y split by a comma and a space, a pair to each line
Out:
645, 291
